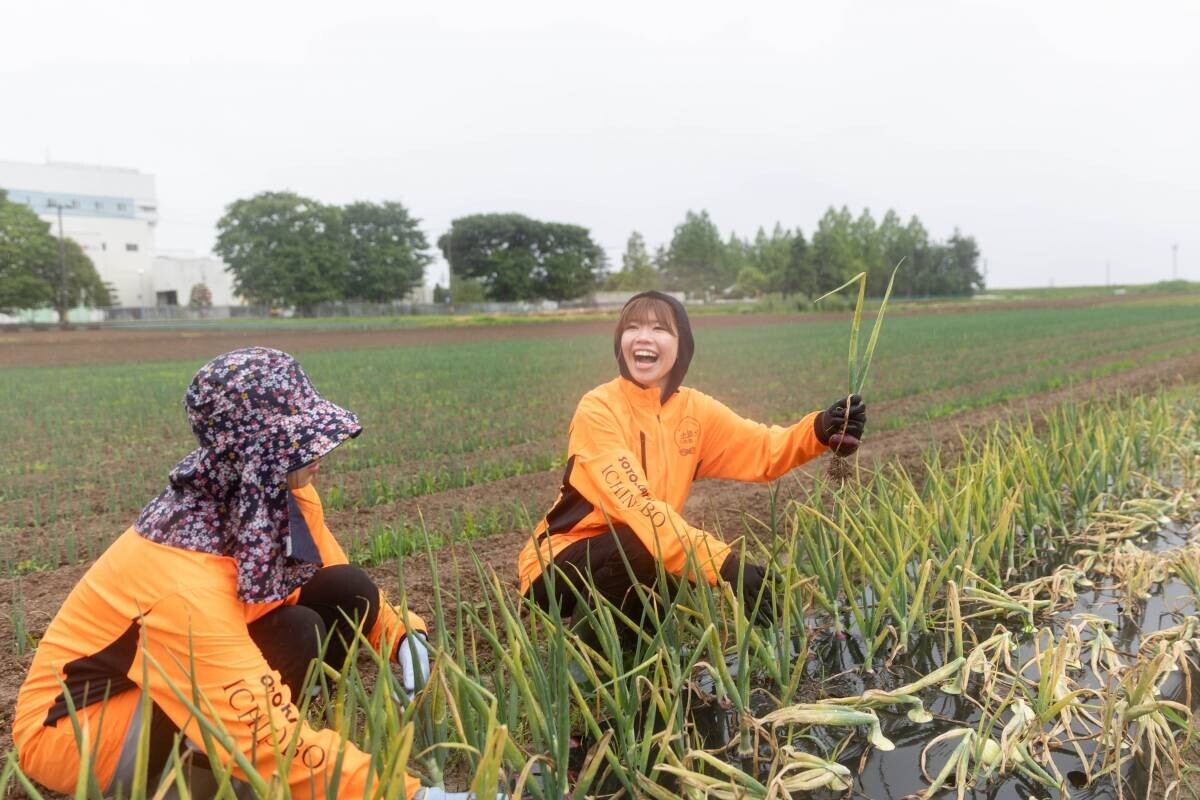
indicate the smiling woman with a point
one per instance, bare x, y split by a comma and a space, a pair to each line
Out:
636, 445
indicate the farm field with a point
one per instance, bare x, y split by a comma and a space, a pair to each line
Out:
465, 428
470, 432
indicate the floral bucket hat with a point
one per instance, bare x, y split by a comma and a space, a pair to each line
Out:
256, 417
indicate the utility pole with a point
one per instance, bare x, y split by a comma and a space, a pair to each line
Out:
61, 295
1175, 262
1108, 273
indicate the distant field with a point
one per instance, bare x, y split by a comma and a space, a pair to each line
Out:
86, 446
1171, 291
1067, 292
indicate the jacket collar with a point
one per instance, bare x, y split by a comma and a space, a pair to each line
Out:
649, 398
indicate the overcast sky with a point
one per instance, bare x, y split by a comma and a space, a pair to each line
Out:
1062, 135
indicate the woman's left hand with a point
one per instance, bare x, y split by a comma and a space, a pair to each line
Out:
846, 419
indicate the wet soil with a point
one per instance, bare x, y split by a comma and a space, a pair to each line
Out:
833, 670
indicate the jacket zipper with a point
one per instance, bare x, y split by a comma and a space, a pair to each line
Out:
662, 448
643, 435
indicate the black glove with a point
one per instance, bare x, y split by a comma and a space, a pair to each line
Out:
841, 427
755, 584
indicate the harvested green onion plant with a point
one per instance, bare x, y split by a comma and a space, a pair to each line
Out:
859, 364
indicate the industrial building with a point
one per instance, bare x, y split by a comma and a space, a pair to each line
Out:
177, 274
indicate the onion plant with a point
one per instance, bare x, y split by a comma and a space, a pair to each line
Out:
859, 361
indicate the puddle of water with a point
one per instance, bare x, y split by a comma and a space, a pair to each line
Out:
893, 775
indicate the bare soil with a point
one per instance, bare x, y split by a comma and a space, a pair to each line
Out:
119, 345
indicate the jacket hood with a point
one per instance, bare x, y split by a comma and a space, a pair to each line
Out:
687, 345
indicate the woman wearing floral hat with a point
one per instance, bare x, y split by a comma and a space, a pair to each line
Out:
637, 443
227, 585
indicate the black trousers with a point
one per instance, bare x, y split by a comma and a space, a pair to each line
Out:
615, 561
329, 606
291, 637
618, 560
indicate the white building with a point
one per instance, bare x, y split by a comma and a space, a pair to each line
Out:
111, 212
176, 273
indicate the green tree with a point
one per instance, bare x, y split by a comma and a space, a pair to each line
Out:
736, 255
78, 284
798, 275
921, 259
751, 281
963, 257
868, 250
638, 273
696, 259
27, 251
834, 252
466, 290
892, 247
516, 258
284, 250
772, 255
33, 273
386, 252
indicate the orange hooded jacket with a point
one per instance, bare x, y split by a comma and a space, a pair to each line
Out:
632, 458
185, 606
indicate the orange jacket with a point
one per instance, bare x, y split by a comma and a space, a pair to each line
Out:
631, 460
185, 605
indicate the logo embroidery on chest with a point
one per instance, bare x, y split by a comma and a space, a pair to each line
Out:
687, 436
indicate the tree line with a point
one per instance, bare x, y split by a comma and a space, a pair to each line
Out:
508, 257
284, 249
700, 262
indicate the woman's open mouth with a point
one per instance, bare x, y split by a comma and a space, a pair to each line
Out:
645, 358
